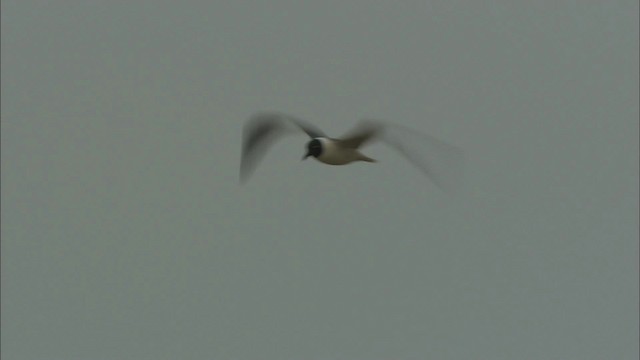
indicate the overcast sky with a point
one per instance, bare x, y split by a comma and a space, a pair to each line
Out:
126, 234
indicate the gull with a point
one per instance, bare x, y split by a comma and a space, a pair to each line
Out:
439, 161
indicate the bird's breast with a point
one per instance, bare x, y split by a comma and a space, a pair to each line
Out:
333, 154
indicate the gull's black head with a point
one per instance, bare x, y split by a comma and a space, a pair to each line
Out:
314, 148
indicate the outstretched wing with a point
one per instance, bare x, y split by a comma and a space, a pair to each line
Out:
442, 163
363, 132
261, 131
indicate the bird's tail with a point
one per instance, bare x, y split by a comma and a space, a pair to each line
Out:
362, 157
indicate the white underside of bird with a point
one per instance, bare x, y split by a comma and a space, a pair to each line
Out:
334, 154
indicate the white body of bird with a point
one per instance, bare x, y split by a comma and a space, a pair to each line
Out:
332, 154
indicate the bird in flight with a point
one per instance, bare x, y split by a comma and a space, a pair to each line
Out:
438, 160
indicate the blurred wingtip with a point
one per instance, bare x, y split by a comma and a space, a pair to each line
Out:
442, 163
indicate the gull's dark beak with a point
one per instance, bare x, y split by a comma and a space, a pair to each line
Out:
307, 154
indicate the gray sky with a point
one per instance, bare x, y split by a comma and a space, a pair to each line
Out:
125, 233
